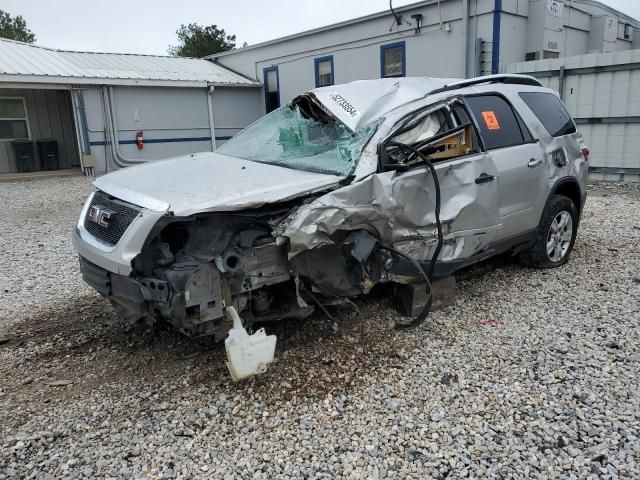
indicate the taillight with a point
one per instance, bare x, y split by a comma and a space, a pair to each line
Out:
585, 153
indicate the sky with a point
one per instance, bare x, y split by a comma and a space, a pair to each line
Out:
149, 26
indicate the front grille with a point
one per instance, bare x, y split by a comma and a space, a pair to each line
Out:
123, 215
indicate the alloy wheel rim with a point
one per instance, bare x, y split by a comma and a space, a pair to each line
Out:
559, 236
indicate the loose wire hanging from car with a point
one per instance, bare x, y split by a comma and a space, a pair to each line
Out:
428, 276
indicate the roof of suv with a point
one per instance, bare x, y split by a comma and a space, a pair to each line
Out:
358, 103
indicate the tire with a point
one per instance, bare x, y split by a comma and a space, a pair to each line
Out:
556, 234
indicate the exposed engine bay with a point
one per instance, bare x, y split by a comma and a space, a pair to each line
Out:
207, 262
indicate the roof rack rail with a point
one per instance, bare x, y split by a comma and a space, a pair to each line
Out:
513, 79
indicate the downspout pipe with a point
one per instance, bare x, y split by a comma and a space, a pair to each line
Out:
108, 157
495, 50
465, 28
80, 134
211, 124
561, 77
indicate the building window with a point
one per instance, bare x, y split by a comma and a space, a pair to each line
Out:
271, 88
549, 54
13, 118
392, 60
323, 67
530, 56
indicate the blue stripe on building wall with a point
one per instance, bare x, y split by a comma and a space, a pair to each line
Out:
102, 143
495, 47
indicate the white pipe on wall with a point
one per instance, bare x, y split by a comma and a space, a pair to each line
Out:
211, 124
79, 132
465, 35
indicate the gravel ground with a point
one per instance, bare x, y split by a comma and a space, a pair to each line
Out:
532, 374
36, 221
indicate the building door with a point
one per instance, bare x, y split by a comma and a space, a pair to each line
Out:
271, 88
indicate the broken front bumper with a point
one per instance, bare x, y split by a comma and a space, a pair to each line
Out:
111, 284
189, 296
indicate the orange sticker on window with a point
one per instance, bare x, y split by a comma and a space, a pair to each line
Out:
491, 120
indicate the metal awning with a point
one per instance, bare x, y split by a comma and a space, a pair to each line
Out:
26, 63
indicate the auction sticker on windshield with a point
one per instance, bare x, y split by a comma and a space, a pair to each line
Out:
344, 104
491, 120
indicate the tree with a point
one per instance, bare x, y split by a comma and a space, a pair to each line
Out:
15, 28
198, 41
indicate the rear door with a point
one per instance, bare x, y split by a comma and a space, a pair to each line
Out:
518, 159
557, 131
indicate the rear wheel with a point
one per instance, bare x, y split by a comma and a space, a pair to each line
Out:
556, 234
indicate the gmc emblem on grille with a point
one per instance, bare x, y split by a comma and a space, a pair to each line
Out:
101, 215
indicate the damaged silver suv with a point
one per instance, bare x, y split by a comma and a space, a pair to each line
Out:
347, 186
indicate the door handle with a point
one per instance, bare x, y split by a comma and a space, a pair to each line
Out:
484, 178
534, 162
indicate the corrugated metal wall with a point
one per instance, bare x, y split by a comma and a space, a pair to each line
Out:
49, 116
602, 92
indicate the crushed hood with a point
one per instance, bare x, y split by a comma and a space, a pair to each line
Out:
358, 103
209, 182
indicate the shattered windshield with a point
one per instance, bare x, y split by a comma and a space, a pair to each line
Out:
303, 137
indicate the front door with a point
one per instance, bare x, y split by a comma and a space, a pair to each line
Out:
466, 175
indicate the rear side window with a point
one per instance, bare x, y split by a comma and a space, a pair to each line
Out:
550, 111
499, 126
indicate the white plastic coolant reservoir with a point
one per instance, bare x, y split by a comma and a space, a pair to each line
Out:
247, 355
